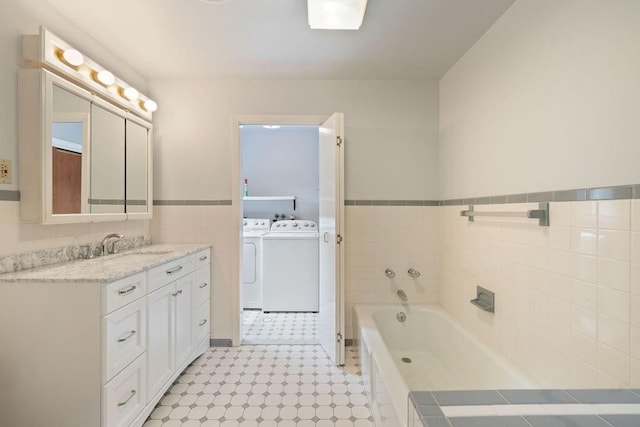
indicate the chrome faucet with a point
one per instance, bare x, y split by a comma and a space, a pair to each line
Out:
402, 295
413, 273
105, 243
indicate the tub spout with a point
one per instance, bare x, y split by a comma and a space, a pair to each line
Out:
402, 295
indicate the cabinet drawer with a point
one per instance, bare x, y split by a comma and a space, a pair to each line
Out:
167, 273
121, 292
201, 324
124, 337
202, 258
125, 395
201, 286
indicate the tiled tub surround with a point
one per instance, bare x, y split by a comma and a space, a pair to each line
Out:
567, 295
525, 408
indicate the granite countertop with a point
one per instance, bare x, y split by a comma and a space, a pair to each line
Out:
107, 268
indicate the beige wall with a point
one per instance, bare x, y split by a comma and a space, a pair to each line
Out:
391, 130
547, 99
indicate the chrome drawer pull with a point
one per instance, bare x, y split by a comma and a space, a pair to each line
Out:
204, 285
176, 293
128, 337
203, 258
133, 393
127, 291
202, 322
174, 270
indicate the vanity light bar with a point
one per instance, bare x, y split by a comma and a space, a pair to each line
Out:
48, 51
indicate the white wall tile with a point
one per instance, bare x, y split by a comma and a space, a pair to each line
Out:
584, 321
614, 333
614, 304
584, 241
614, 274
614, 245
560, 214
560, 238
613, 363
614, 214
584, 267
635, 215
584, 214
584, 348
584, 295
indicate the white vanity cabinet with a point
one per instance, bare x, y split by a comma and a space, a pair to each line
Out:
100, 353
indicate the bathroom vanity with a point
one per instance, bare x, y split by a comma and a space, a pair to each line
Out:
97, 342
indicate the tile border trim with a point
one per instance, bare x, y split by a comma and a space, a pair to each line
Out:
428, 405
619, 192
10, 195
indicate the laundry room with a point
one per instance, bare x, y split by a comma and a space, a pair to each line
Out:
280, 170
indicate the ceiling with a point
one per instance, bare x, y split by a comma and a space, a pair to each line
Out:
399, 39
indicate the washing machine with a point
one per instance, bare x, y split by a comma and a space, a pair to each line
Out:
290, 267
252, 231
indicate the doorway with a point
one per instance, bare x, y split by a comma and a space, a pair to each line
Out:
279, 288
329, 320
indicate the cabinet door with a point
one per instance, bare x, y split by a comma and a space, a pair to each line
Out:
183, 318
160, 332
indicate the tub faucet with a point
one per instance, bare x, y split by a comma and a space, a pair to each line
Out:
402, 295
413, 273
105, 243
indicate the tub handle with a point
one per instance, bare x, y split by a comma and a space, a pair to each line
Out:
390, 273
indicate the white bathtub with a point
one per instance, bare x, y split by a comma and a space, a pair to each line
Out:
444, 356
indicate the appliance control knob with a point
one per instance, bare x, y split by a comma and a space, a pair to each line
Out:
313, 225
255, 223
244, 223
277, 225
294, 224
284, 225
306, 224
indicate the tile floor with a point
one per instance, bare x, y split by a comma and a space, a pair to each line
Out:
279, 328
266, 386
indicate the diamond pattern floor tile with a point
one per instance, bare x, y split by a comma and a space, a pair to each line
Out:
279, 328
265, 386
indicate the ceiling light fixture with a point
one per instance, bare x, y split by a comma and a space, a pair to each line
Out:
105, 77
130, 93
73, 57
336, 14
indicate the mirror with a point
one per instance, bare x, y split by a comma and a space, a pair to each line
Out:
92, 158
137, 161
69, 152
107, 161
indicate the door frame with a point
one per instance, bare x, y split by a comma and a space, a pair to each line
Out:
236, 201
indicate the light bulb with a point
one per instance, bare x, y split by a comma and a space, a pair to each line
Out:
150, 105
130, 93
73, 57
106, 77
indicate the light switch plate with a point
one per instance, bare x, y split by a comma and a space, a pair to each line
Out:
5, 171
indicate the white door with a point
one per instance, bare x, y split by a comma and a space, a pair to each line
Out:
331, 265
183, 318
160, 330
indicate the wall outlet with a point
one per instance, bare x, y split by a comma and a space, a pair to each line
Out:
5, 171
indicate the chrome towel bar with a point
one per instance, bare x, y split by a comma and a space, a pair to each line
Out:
541, 214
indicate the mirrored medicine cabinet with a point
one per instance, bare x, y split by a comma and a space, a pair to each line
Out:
81, 158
